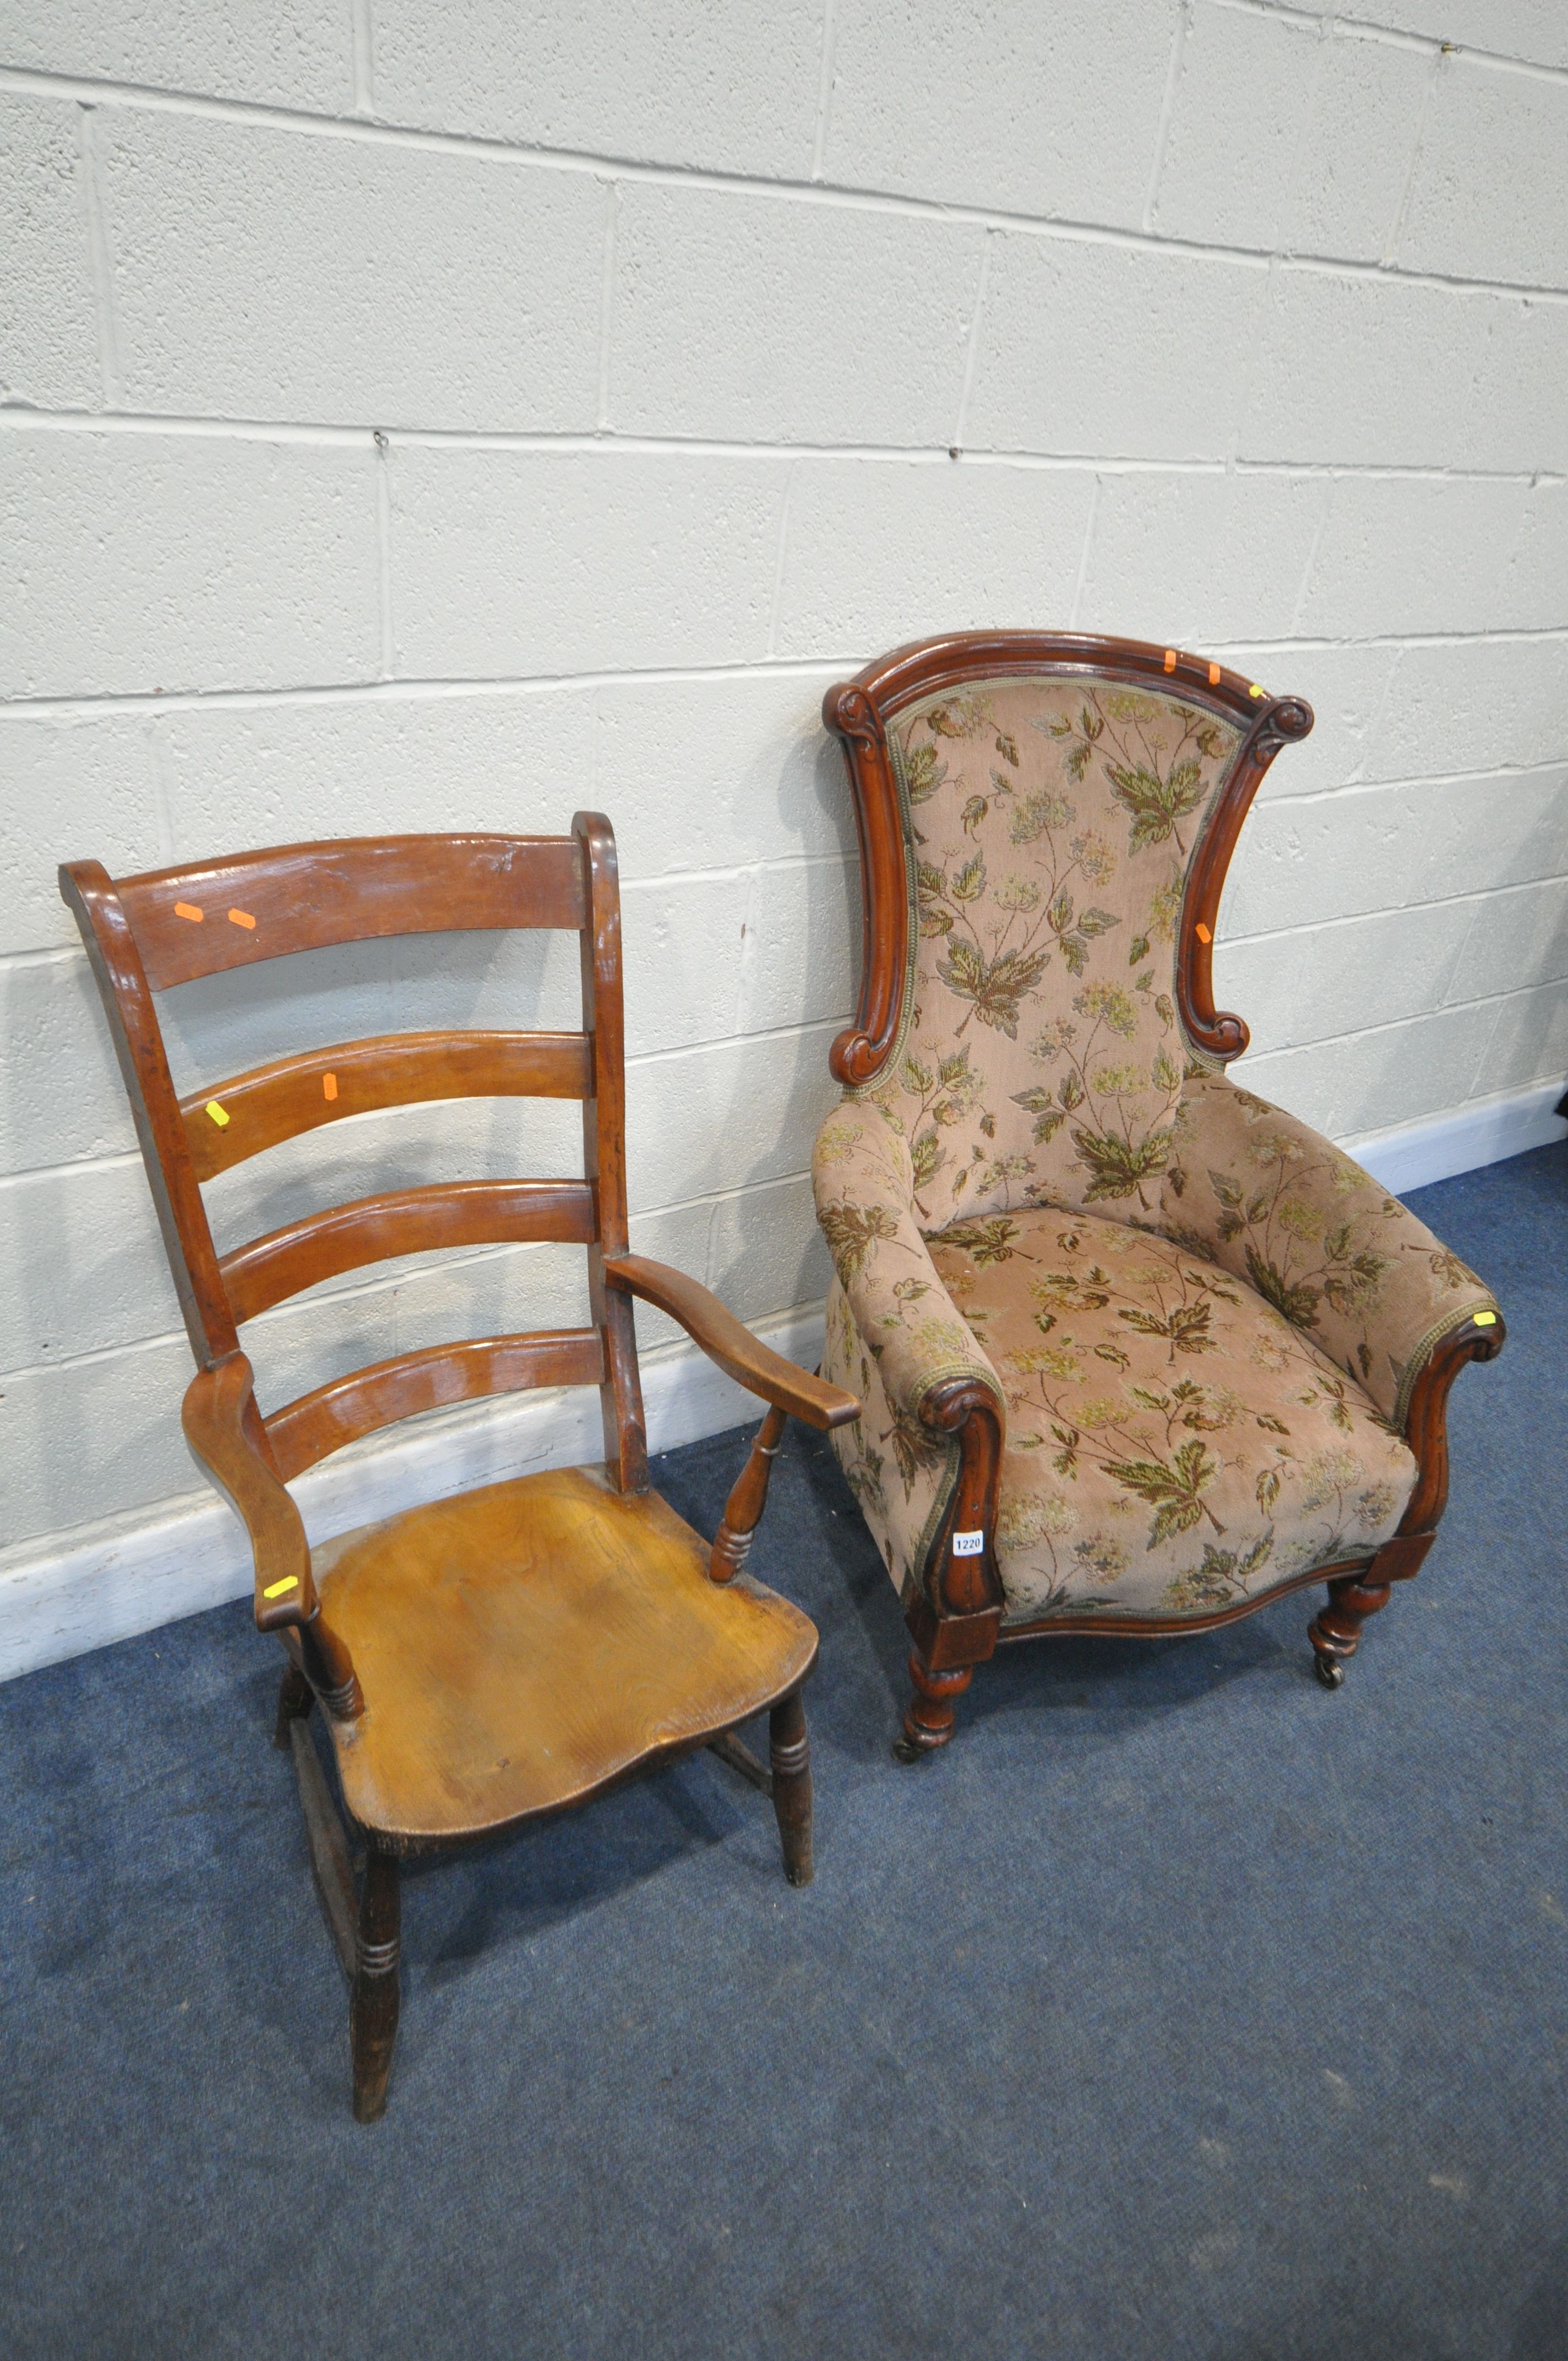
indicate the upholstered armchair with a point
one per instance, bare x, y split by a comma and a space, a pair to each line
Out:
1138, 1352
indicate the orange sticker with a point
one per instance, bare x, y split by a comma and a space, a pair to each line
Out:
329, 1086
1203, 934
241, 918
1170, 659
1213, 675
220, 1114
188, 910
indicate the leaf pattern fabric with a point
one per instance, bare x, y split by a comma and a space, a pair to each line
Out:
1175, 1446
1349, 1268
893, 1332
1201, 1320
1052, 823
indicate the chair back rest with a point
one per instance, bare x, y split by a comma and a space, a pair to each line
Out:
148, 933
1045, 821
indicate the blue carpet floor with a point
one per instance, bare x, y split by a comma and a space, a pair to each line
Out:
1183, 2008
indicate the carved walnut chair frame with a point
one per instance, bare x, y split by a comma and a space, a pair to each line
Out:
954, 1607
148, 933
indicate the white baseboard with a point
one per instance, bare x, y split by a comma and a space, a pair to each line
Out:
1413, 1154
110, 1581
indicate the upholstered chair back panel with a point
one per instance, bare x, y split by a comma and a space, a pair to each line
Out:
1051, 824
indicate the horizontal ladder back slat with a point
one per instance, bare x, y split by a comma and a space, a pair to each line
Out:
296, 1094
404, 1222
209, 916
323, 1422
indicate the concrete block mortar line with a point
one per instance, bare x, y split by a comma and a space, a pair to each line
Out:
364, 59
329, 433
1348, 27
971, 356
1167, 110
824, 91
1391, 244
607, 304
781, 558
351, 1289
384, 555
163, 802
1310, 565
826, 1027
1075, 608
100, 92
1314, 927
1346, 787
102, 260
1494, 1000
119, 701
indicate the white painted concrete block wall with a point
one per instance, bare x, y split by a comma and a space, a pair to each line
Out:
415, 414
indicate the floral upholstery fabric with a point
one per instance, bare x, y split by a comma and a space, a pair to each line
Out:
1174, 1445
1051, 826
1203, 1321
892, 1332
1271, 1201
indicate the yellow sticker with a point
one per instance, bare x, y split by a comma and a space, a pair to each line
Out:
218, 1114
276, 1589
1256, 691
1484, 1319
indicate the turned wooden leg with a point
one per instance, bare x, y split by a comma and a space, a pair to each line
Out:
929, 1720
732, 1543
789, 1750
1336, 1630
295, 1699
373, 2011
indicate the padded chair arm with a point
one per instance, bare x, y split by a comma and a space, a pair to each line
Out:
1266, 1197
864, 1183
724, 1339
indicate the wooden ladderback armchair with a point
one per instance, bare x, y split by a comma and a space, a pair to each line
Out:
484, 1661
1137, 1351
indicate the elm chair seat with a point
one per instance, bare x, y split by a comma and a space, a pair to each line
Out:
513, 1647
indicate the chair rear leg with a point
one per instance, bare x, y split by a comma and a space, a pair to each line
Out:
295, 1699
373, 2012
789, 1750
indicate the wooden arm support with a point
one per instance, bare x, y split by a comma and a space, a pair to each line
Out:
743, 1509
1426, 1424
733, 1347
223, 1429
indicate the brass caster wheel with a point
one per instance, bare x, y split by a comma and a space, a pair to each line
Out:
902, 1751
1330, 1670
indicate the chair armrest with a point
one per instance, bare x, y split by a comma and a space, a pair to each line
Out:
223, 1429
864, 1184
724, 1339
1266, 1197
